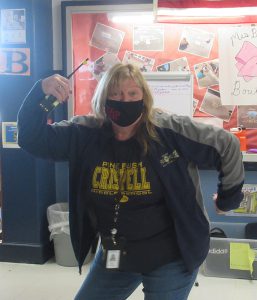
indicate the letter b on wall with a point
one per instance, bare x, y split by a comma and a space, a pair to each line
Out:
15, 61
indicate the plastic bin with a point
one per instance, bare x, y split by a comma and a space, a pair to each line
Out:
222, 261
58, 220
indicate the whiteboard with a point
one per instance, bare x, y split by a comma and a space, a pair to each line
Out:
172, 91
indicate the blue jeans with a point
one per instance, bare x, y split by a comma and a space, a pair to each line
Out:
169, 282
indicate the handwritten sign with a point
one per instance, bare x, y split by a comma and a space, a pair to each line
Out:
172, 97
171, 94
176, 88
238, 65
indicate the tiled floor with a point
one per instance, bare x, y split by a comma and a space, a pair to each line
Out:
54, 282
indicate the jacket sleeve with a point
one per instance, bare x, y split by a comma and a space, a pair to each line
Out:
36, 136
211, 147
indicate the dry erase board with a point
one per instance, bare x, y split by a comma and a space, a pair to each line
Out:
172, 91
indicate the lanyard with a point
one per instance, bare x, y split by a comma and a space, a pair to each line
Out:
119, 197
117, 203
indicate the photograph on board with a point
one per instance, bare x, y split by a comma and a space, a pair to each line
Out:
103, 63
212, 105
247, 116
177, 65
107, 38
145, 64
196, 41
207, 73
13, 26
9, 135
148, 38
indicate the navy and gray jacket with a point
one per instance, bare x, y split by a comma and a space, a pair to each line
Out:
185, 146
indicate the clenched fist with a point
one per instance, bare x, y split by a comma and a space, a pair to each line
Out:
58, 86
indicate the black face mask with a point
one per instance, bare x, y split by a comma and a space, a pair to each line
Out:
123, 113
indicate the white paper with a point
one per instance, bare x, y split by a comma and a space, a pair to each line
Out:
13, 26
238, 65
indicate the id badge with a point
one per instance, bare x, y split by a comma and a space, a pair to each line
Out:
112, 254
113, 259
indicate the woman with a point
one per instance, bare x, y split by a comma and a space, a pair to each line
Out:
134, 179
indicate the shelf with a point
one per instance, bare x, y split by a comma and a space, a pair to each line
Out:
249, 157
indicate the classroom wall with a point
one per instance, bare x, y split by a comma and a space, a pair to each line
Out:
28, 183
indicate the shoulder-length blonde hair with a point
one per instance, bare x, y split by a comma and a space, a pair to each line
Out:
112, 79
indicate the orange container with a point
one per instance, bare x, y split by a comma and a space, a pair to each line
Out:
240, 133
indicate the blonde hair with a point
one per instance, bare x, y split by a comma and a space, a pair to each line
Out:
111, 79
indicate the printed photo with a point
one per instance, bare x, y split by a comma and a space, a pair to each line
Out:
13, 26
196, 41
148, 38
107, 38
180, 64
102, 64
247, 116
207, 73
9, 135
145, 64
212, 105
13, 19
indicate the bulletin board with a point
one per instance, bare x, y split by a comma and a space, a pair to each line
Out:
153, 47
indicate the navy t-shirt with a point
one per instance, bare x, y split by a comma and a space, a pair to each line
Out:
124, 175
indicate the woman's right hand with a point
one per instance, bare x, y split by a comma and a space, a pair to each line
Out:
218, 211
58, 86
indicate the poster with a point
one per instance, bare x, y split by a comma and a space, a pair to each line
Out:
248, 206
13, 26
176, 65
212, 105
148, 38
107, 38
238, 65
247, 116
196, 41
9, 135
207, 73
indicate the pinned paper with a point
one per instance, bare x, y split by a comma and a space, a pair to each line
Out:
241, 257
9, 135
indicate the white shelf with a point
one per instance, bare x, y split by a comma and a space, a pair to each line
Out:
249, 157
